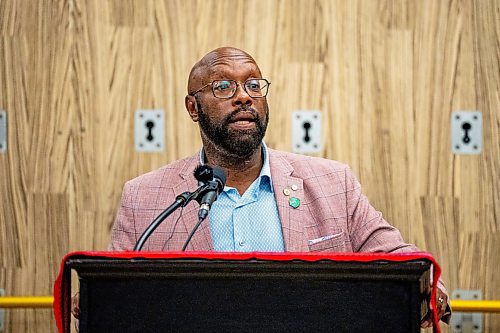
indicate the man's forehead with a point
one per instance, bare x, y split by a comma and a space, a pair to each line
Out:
226, 56
224, 62
227, 69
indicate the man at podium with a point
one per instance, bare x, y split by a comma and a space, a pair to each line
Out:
273, 201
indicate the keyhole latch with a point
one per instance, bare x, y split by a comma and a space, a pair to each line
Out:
307, 126
466, 132
306, 131
466, 127
150, 126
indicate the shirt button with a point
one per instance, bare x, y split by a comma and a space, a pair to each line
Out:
241, 243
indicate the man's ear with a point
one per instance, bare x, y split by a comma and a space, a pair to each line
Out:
191, 107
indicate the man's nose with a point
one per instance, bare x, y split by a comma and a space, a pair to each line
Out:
241, 97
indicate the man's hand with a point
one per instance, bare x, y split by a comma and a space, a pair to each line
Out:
75, 305
441, 304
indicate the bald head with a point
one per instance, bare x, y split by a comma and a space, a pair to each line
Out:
231, 128
203, 69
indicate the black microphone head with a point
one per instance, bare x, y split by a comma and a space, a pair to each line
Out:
203, 173
220, 176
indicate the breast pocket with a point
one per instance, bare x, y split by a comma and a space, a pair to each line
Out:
332, 242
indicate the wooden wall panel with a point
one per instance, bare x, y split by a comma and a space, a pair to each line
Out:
385, 73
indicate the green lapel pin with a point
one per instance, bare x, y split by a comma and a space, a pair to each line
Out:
294, 202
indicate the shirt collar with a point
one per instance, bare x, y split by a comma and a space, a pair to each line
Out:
265, 172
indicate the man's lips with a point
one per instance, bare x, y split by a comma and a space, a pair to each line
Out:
242, 124
243, 120
243, 117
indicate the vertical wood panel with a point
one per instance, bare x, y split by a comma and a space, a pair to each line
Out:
14, 168
441, 220
345, 77
386, 74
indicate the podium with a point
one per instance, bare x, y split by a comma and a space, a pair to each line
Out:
237, 292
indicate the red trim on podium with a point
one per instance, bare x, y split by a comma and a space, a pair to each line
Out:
61, 302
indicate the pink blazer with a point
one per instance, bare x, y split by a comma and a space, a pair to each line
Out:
333, 214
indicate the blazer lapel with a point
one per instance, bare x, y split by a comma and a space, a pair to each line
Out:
202, 239
291, 218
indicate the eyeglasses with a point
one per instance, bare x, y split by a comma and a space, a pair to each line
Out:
255, 88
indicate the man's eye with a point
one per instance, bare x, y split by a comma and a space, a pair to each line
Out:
223, 85
253, 85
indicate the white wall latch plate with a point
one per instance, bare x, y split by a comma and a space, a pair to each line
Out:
149, 130
3, 131
466, 132
462, 322
306, 131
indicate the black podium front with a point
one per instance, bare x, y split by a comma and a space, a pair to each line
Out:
271, 293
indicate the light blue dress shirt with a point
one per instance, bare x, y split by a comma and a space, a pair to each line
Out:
249, 222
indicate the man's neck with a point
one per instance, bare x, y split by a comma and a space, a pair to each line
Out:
241, 171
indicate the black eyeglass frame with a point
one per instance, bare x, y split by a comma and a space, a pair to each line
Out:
237, 84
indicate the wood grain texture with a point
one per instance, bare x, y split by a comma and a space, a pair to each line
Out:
386, 75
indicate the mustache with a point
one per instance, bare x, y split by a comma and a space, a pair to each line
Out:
228, 119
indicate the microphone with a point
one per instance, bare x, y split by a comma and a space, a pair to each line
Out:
211, 181
215, 179
203, 173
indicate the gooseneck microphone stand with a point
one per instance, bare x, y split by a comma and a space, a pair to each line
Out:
180, 201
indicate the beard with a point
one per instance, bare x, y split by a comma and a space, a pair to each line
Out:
235, 142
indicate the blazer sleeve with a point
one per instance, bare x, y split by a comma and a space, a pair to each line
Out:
123, 233
370, 232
